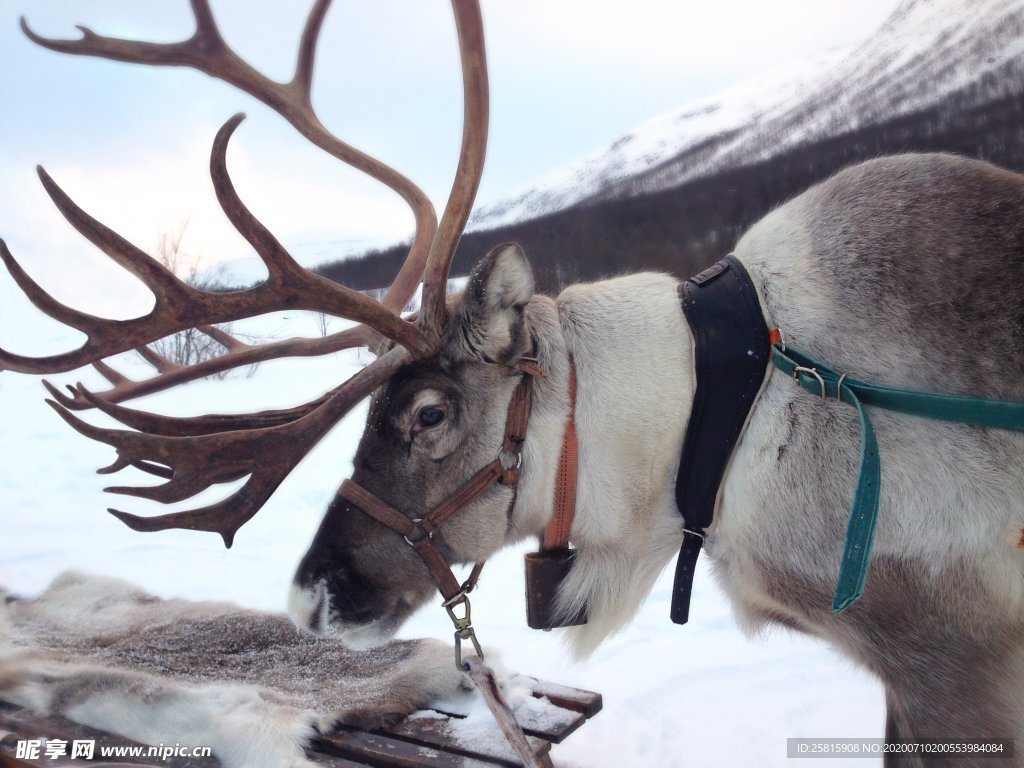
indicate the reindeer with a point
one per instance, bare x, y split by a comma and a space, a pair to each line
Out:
905, 271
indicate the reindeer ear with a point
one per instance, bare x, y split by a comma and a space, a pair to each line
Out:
490, 322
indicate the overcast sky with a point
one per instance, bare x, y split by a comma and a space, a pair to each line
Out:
130, 143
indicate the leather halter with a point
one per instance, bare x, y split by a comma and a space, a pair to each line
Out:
731, 349
545, 570
421, 532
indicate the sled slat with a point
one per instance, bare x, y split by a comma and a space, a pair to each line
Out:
587, 703
434, 732
333, 761
383, 751
424, 741
553, 724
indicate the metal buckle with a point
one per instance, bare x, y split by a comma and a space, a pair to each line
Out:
426, 534
813, 372
695, 533
510, 475
519, 460
839, 387
464, 589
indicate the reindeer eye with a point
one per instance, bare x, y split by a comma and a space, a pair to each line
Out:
429, 416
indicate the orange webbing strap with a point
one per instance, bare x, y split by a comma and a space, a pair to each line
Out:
556, 534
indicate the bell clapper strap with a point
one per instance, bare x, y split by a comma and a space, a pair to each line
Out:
556, 534
547, 569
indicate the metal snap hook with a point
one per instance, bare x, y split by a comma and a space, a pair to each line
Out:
466, 634
463, 628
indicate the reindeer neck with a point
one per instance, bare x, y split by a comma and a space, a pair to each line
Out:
632, 351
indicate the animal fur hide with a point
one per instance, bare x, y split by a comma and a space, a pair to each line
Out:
103, 653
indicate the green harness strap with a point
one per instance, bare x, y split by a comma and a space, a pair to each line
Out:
823, 381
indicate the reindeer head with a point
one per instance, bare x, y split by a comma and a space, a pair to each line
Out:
431, 428
441, 384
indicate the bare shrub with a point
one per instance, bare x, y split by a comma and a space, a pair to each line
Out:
191, 345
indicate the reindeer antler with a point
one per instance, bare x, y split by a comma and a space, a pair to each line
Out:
194, 453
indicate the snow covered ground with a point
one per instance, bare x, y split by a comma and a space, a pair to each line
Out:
698, 695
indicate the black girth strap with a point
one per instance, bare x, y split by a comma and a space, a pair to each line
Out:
731, 356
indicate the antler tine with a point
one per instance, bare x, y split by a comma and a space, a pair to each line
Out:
200, 454
469, 25
45, 303
109, 373
207, 52
166, 286
158, 361
279, 263
223, 338
128, 389
284, 272
307, 48
154, 424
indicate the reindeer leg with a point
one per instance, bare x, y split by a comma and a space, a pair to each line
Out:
962, 690
893, 732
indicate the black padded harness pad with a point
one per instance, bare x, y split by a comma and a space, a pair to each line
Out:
731, 355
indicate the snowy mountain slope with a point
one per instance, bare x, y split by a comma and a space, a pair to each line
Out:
927, 52
666, 136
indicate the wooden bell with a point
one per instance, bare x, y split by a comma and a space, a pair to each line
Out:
545, 572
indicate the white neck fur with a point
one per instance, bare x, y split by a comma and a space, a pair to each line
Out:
633, 354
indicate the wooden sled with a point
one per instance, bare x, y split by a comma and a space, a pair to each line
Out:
420, 741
